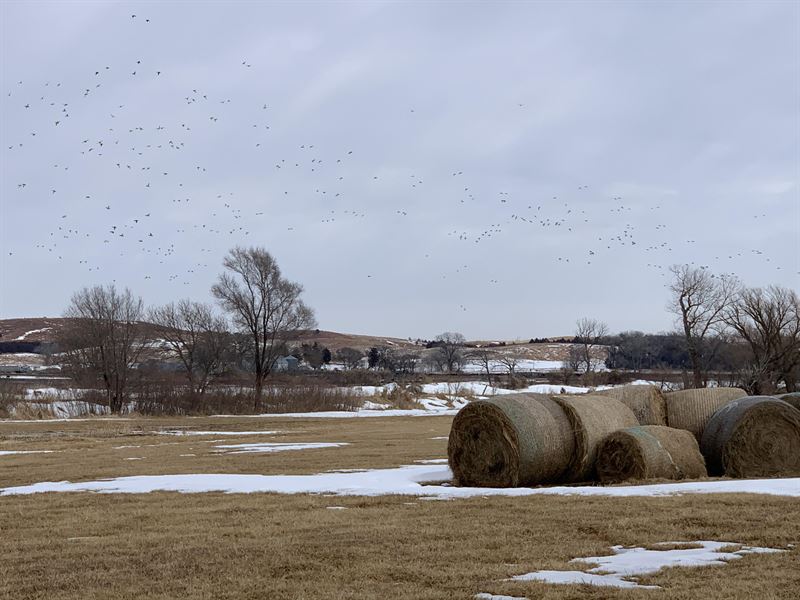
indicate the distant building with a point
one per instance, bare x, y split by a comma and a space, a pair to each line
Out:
287, 363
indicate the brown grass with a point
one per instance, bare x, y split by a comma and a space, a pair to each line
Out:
219, 546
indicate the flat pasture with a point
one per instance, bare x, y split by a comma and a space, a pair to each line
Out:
266, 545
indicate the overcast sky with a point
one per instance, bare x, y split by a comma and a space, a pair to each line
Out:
494, 169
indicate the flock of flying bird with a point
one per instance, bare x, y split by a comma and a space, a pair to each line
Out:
169, 165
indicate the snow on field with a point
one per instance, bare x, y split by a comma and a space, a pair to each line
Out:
69, 409
15, 377
51, 392
27, 333
348, 414
413, 480
189, 432
7, 452
522, 366
622, 568
485, 596
274, 447
444, 398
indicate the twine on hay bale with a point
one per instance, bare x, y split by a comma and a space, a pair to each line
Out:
649, 452
646, 402
509, 441
691, 409
592, 419
792, 398
756, 436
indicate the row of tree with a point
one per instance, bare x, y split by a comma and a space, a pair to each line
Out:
715, 312
724, 326
107, 331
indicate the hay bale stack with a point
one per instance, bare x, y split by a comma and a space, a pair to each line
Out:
691, 409
649, 452
509, 441
756, 436
792, 398
592, 419
646, 402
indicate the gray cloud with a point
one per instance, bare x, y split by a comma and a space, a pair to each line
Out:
680, 119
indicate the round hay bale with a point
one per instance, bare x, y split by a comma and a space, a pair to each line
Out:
510, 441
756, 436
691, 409
792, 398
649, 452
592, 419
646, 402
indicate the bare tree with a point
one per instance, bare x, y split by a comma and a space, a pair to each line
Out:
699, 300
101, 341
449, 346
769, 322
404, 361
264, 305
350, 357
574, 359
197, 337
589, 333
483, 358
509, 361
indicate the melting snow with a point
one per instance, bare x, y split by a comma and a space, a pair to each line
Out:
627, 564
407, 480
6, 452
27, 333
347, 414
275, 447
485, 596
187, 432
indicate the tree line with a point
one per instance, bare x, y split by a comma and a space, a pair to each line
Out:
722, 326
108, 329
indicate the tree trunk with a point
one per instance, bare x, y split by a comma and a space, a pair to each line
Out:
257, 392
697, 371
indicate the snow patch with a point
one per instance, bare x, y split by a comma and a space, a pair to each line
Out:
190, 432
411, 480
7, 452
347, 414
622, 568
27, 333
274, 447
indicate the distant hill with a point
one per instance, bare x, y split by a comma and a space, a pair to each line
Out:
23, 335
45, 330
41, 329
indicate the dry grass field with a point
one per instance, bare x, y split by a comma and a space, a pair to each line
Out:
169, 545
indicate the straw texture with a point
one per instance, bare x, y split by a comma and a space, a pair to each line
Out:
649, 452
509, 441
646, 402
691, 409
792, 398
756, 436
592, 419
